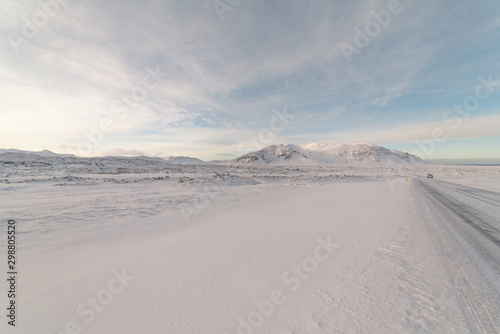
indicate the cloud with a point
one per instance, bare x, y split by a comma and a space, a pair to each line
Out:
223, 79
452, 129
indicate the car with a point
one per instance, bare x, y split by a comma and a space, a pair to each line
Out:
430, 176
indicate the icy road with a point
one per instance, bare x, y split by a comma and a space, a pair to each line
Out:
466, 229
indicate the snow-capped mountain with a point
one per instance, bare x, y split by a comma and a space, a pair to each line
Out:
321, 154
184, 160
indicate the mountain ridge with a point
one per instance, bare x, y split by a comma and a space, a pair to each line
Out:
331, 154
282, 154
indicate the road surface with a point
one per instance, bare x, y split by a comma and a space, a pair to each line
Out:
464, 223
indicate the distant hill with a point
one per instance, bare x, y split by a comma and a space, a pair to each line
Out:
184, 160
16, 155
44, 153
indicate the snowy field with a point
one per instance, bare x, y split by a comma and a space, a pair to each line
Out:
148, 247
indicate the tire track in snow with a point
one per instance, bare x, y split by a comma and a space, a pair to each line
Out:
486, 196
465, 212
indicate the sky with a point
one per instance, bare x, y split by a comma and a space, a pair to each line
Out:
217, 79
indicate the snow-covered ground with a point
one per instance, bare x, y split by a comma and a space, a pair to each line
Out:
488, 183
152, 248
